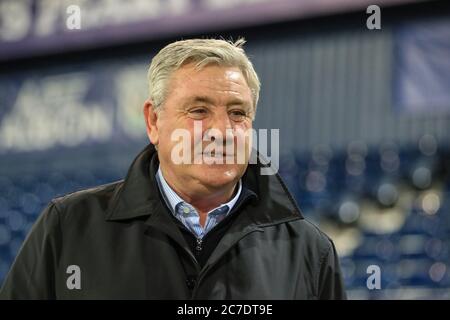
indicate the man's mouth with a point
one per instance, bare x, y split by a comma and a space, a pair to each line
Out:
215, 155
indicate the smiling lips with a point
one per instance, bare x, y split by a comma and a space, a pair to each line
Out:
214, 155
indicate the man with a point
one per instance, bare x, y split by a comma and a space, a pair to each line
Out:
204, 229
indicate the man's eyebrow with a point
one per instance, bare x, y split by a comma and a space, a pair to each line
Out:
237, 101
201, 99
210, 101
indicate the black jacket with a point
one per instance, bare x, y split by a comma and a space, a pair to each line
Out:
120, 241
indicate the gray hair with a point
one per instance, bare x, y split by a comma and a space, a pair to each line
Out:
201, 52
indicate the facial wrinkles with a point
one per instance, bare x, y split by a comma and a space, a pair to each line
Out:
223, 89
220, 87
232, 83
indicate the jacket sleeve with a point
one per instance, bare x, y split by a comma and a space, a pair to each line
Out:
32, 275
331, 285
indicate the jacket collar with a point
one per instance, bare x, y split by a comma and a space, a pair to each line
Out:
138, 194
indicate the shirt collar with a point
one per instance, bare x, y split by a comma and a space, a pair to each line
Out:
173, 199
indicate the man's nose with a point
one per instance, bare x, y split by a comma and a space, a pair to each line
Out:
222, 123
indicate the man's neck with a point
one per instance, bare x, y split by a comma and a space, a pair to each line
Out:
206, 203
202, 199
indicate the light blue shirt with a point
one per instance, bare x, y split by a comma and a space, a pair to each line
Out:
187, 214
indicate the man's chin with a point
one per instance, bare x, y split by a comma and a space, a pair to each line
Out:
217, 175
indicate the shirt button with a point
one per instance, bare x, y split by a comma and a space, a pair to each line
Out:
191, 282
186, 210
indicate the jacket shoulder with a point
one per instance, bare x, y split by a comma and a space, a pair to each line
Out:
312, 236
319, 250
96, 199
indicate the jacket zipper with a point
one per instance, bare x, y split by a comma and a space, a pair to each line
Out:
198, 247
203, 272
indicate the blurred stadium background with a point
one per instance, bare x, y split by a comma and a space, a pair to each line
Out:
364, 116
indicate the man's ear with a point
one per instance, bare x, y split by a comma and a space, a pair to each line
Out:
151, 118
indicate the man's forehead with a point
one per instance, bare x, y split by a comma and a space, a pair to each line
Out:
210, 73
205, 85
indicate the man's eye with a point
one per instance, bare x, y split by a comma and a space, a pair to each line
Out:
237, 114
199, 111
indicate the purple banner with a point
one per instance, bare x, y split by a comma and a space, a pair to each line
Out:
34, 27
